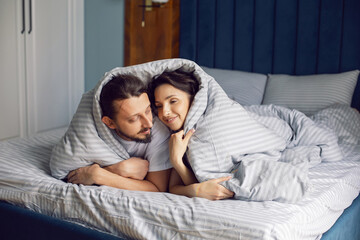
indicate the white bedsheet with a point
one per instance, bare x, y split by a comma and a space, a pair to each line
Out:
25, 180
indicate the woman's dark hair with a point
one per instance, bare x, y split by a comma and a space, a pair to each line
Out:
184, 81
118, 88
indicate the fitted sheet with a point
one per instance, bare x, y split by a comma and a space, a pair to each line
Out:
25, 181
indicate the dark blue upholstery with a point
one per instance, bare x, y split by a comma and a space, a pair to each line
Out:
20, 223
295, 37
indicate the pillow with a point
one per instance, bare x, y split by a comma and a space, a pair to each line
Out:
244, 87
310, 93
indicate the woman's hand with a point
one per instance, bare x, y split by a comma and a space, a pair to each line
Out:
212, 189
85, 175
177, 146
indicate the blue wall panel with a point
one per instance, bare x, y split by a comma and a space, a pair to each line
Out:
224, 36
307, 37
243, 35
350, 57
263, 36
330, 36
272, 36
285, 36
206, 11
188, 30
350, 52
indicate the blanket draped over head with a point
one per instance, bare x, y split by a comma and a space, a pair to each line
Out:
266, 149
88, 140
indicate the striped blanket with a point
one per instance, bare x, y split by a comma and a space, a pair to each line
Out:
266, 149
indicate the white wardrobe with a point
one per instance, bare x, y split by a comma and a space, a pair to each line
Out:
41, 64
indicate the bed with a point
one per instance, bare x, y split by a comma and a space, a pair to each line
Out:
251, 48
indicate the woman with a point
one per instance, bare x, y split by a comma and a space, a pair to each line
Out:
172, 94
236, 151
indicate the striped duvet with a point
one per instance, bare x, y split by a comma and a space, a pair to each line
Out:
25, 180
266, 149
267, 152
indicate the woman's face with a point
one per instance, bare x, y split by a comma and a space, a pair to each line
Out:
172, 105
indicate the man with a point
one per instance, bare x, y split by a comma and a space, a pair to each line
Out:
140, 141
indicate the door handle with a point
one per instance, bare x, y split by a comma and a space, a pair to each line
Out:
23, 17
30, 17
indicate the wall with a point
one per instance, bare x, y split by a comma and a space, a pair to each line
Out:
104, 38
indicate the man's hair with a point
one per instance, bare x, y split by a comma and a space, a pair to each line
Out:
184, 81
120, 87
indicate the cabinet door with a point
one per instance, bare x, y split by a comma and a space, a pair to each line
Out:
12, 93
49, 64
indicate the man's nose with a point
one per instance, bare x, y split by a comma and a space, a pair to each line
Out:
147, 122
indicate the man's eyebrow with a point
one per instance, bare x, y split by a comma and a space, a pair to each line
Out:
134, 115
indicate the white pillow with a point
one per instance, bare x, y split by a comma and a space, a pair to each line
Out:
310, 93
244, 87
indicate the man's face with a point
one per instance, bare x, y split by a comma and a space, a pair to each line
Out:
133, 119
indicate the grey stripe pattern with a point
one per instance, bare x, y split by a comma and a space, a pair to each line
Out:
25, 180
267, 150
310, 93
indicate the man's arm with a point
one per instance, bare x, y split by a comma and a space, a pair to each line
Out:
94, 174
137, 168
134, 167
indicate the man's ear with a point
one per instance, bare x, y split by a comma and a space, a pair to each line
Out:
108, 122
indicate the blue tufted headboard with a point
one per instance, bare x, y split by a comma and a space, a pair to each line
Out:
296, 37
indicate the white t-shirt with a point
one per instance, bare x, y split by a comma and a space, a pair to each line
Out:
156, 152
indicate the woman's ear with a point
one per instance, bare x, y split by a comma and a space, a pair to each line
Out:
108, 122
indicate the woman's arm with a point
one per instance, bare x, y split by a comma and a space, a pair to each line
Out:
186, 175
210, 189
183, 180
177, 147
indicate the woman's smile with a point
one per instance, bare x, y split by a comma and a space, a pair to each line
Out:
170, 119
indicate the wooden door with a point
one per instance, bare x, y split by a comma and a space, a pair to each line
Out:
151, 31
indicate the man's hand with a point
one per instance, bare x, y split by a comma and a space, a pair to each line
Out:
85, 175
135, 168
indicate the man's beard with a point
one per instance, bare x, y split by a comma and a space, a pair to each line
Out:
147, 139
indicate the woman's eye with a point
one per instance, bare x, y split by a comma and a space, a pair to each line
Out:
173, 101
157, 106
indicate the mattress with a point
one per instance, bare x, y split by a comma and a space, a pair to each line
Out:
25, 181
